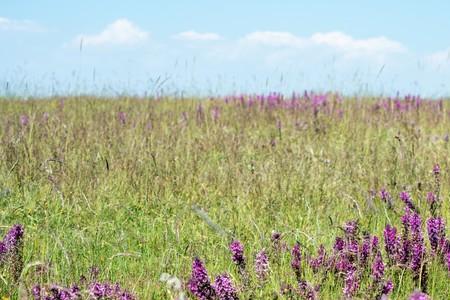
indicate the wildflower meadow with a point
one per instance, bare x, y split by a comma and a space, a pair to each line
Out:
300, 196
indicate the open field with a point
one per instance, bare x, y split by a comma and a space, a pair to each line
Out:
140, 187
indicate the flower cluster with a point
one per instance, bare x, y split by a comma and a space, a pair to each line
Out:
355, 258
11, 251
200, 286
55, 292
12, 241
262, 265
95, 291
237, 253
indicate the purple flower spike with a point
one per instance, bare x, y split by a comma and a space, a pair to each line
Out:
431, 197
390, 240
406, 198
436, 233
306, 290
199, 284
351, 229
417, 257
277, 241
378, 268
387, 287
339, 244
419, 296
55, 292
224, 288
386, 197
364, 250
436, 169
351, 284
374, 245
13, 238
415, 223
406, 221
276, 237
122, 116
237, 253
24, 120
296, 260
261, 265
317, 262
36, 292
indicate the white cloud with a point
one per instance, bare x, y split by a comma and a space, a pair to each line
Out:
192, 35
334, 40
19, 25
439, 58
120, 32
345, 42
274, 38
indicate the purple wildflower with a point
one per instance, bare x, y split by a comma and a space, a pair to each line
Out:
415, 223
351, 283
276, 237
13, 238
388, 286
224, 288
406, 198
343, 264
390, 240
306, 291
378, 267
352, 248
431, 198
317, 262
386, 197
199, 284
11, 249
276, 241
364, 250
237, 253
351, 229
261, 265
419, 296
99, 290
417, 256
436, 233
339, 244
436, 169
374, 245
122, 116
404, 252
296, 260
55, 292
24, 120
36, 292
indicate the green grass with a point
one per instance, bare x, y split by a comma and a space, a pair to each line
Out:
91, 191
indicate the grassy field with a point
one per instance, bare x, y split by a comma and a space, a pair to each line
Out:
140, 187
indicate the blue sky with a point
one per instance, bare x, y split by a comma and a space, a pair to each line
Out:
225, 46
